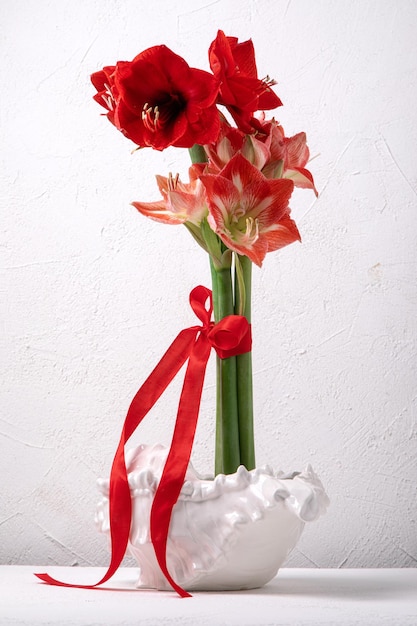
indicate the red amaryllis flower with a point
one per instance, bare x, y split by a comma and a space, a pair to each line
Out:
241, 91
106, 94
157, 100
249, 212
181, 202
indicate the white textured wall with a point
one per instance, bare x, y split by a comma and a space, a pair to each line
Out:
92, 293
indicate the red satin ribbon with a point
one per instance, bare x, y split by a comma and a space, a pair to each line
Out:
229, 337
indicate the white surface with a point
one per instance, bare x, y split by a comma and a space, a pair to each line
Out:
296, 596
92, 293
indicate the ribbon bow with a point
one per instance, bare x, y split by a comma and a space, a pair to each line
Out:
229, 337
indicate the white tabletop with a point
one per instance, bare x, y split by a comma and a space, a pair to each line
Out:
296, 597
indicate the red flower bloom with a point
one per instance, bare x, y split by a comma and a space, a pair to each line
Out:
106, 94
157, 100
241, 91
249, 212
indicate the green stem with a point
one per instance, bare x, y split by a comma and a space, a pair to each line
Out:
227, 456
244, 369
218, 459
197, 154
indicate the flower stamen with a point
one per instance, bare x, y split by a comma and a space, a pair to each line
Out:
150, 116
268, 81
172, 181
251, 234
108, 97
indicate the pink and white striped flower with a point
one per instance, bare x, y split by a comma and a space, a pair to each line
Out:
249, 212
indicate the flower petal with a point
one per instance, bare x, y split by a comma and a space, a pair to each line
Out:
301, 178
282, 234
158, 211
280, 191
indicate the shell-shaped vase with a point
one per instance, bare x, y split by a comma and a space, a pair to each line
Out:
231, 532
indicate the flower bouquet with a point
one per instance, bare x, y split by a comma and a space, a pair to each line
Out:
188, 532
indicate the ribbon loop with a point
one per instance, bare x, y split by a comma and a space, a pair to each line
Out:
198, 299
229, 337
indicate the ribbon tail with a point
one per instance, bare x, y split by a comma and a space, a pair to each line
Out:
175, 468
120, 505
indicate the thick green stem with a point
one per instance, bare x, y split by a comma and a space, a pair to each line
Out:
218, 459
197, 154
227, 456
244, 368
227, 453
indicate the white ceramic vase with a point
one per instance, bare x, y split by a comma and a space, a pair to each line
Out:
227, 533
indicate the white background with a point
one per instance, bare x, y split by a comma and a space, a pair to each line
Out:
92, 293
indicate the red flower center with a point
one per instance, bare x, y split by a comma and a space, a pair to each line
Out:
155, 117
